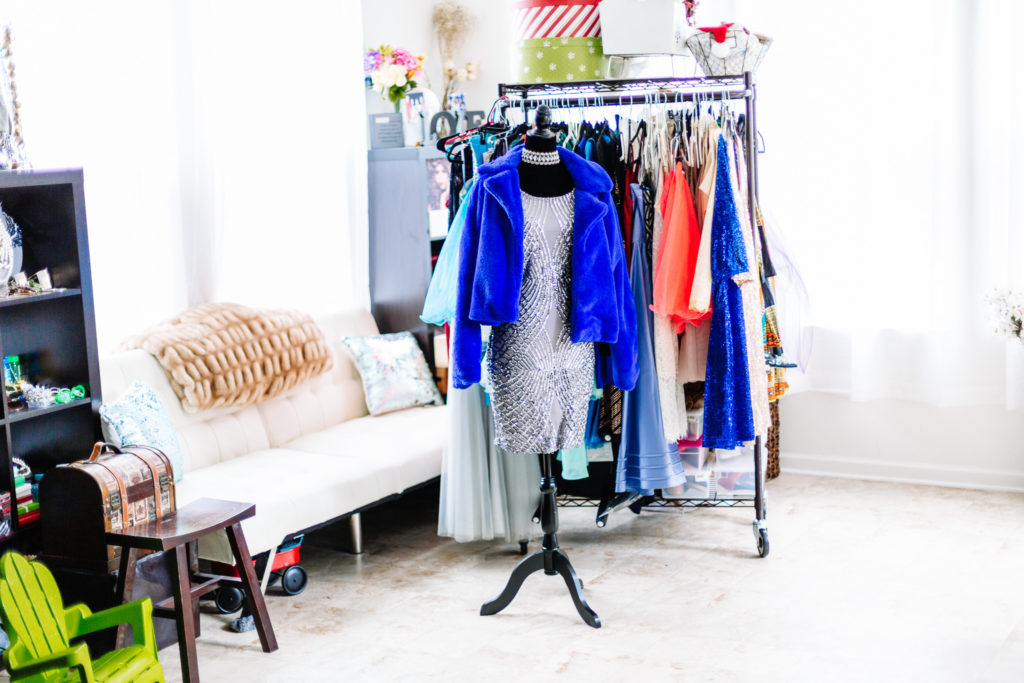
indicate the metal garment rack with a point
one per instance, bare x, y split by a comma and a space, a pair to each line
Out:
632, 92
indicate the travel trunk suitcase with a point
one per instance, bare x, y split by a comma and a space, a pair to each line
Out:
116, 488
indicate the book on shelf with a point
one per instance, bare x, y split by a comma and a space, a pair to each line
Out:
28, 518
24, 508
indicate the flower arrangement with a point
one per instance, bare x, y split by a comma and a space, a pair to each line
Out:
452, 23
391, 72
1008, 313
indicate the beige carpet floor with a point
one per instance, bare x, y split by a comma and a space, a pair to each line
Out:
866, 581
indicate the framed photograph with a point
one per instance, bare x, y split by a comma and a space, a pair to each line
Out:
439, 174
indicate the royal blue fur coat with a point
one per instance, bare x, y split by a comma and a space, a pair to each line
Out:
491, 268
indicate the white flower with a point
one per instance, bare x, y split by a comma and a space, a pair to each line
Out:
540, 55
552, 66
583, 67
572, 55
526, 69
565, 41
547, 43
592, 50
569, 76
539, 79
461, 75
449, 64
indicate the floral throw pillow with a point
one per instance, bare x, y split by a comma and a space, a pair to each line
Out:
394, 372
139, 417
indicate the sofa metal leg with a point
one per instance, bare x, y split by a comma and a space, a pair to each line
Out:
353, 540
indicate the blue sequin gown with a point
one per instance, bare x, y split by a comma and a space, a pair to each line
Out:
646, 460
728, 419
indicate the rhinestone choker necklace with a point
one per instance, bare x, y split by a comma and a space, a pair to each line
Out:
540, 158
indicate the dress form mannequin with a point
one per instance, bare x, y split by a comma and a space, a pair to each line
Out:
543, 175
542, 180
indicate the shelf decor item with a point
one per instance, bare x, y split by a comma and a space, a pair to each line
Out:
728, 50
6, 258
557, 40
452, 23
14, 230
12, 145
391, 71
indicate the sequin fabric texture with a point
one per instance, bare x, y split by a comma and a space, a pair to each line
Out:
540, 380
394, 372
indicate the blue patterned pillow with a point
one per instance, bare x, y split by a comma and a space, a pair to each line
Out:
394, 372
138, 417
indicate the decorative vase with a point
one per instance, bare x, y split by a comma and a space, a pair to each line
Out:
6, 259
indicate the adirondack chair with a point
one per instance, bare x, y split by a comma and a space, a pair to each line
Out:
40, 629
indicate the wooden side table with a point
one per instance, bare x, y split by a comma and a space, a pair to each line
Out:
179, 532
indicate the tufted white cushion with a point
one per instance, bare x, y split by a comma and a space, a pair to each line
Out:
292, 490
401, 443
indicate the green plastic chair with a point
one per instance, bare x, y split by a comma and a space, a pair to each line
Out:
40, 629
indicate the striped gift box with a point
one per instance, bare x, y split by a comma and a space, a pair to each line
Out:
535, 19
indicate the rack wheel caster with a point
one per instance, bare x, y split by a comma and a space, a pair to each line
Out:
762, 542
229, 599
293, 580
523, 547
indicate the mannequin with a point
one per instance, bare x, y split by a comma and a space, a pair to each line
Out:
543, 174
542, 180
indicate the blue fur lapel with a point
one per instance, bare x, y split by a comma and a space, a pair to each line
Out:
501, 179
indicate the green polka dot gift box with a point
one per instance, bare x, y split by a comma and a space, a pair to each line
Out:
557, 40
547, 60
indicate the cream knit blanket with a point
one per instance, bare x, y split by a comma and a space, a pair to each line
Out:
219, 355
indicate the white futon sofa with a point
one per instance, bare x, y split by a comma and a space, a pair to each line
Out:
304, 458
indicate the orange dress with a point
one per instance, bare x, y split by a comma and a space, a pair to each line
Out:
677, 257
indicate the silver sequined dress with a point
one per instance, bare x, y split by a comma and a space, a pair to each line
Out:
540, 381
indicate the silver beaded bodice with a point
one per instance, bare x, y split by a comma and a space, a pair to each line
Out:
540, 381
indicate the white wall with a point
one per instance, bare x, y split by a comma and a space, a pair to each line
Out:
977, 446
223, 146
406, 23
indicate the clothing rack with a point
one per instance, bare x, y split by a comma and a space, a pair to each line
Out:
632, 92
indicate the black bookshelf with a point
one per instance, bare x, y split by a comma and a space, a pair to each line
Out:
56, 330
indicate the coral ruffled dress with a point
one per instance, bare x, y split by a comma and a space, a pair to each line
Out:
677, 256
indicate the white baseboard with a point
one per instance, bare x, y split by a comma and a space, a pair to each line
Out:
906, 472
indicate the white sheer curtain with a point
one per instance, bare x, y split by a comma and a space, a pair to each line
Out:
223, 144
893, 168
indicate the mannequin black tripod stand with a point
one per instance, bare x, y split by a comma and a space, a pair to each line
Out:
549, 558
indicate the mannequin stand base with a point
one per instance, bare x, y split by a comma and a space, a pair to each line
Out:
534, 563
